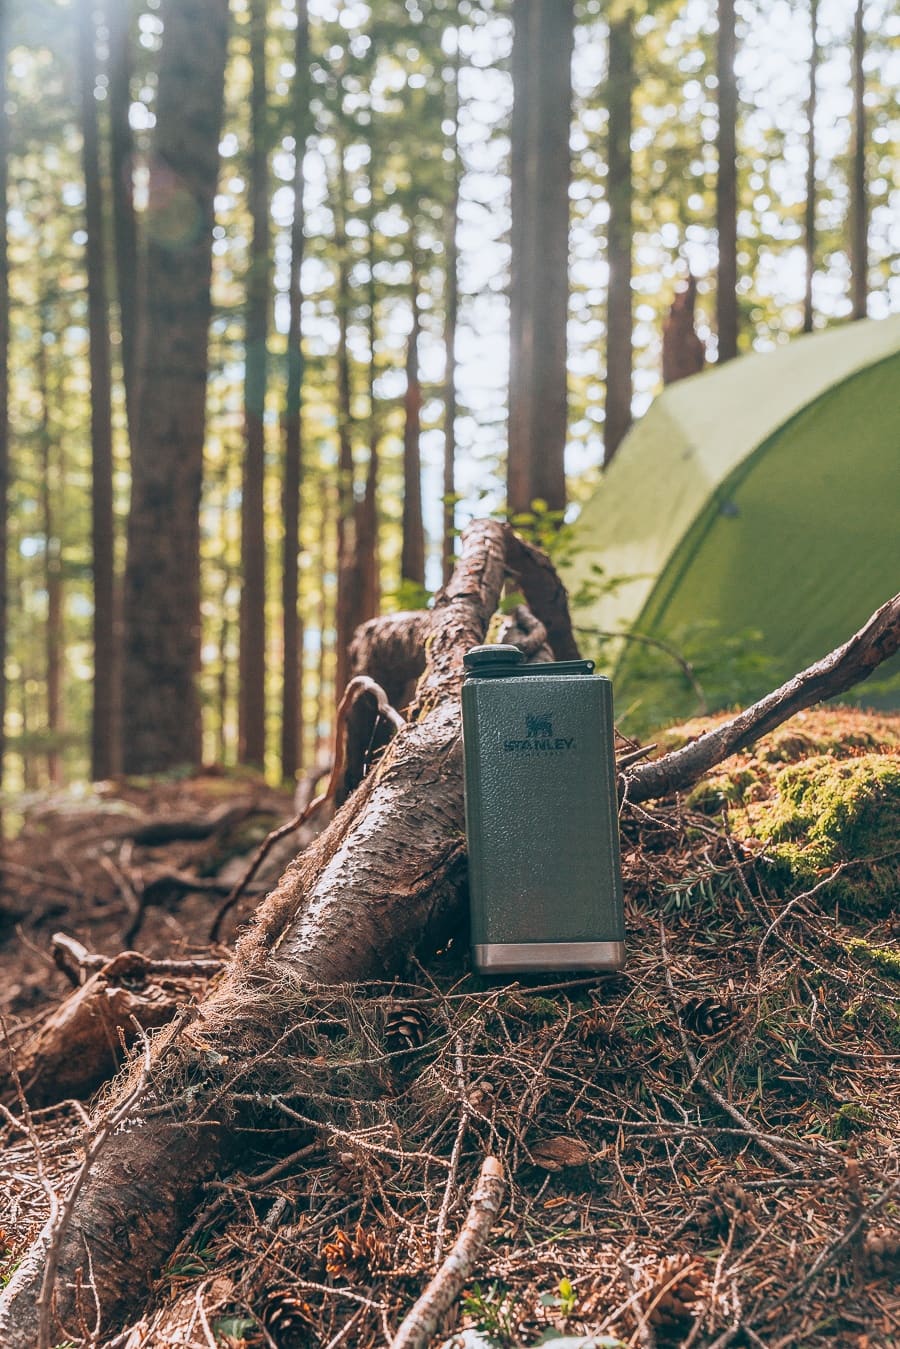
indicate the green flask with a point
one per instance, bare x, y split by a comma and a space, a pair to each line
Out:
545, 882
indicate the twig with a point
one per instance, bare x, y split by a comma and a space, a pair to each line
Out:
658, 644
422, 1322
701, 1077
357, 686
454, 1155
843, 668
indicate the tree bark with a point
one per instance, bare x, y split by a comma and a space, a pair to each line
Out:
683, 353
162, 579
4, 382
809, 210
367, 513
726, 185
859, 209
252, 692
104, 756
539, 286
118, 15
412, 553
619, 194
348, 606
53, 583
451, 315
292, 638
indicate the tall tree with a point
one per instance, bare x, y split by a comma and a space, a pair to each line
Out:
118, 16
54, 642
367, 514
4, 380
726, 184
252, 659
540, 172
809, 212
859, 212
162, 579
412, 552
104, 755
451, 315
620, 191
348, 604
292, 637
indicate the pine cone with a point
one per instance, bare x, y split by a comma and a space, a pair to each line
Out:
684, 1282
339, 1253
605, 1042
370, 1251
726, 1203
286, 1314
708, 1017
882, 1249
406, 1026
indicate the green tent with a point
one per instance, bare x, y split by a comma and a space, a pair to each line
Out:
749, 522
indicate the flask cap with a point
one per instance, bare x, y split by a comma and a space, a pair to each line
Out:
499, 654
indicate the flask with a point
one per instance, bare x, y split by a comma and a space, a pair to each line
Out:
545, 883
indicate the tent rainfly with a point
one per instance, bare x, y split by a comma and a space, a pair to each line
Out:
749, 522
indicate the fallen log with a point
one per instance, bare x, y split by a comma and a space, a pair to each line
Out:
390, 865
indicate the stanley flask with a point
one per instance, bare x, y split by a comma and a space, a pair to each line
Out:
545, 881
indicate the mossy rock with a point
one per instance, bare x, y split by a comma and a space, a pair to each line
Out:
827, 811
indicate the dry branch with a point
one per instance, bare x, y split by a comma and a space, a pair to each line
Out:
425, 1318
842, 669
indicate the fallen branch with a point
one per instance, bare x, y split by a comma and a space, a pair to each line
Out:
842, 669
423, 1321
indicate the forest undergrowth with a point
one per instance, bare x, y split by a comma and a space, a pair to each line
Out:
701, 1151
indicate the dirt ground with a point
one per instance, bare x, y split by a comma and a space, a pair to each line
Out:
701, 1151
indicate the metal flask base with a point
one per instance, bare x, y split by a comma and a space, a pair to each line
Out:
524, 957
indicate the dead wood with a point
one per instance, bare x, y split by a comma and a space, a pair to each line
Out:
424, 1320
842, 669
83, 1042
390, 865
191, 828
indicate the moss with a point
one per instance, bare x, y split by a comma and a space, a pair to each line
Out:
826, 812
849, 1119
724, 789
882, 958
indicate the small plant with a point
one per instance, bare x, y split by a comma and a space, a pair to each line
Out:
565, 1299
491, 1311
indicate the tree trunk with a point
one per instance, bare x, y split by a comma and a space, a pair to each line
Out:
292, 656
619, 194
726, 185
104, 757
683, 353
53, 583
118, 15
859, 221
348, 611
412, 554
4, 385
451, 314
367, 514
539, 286
809, 212
323, 703
252, 704
162, 580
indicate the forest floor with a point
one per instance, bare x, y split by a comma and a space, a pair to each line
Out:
701, 1151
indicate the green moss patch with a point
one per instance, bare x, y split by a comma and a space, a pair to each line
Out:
825, 812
